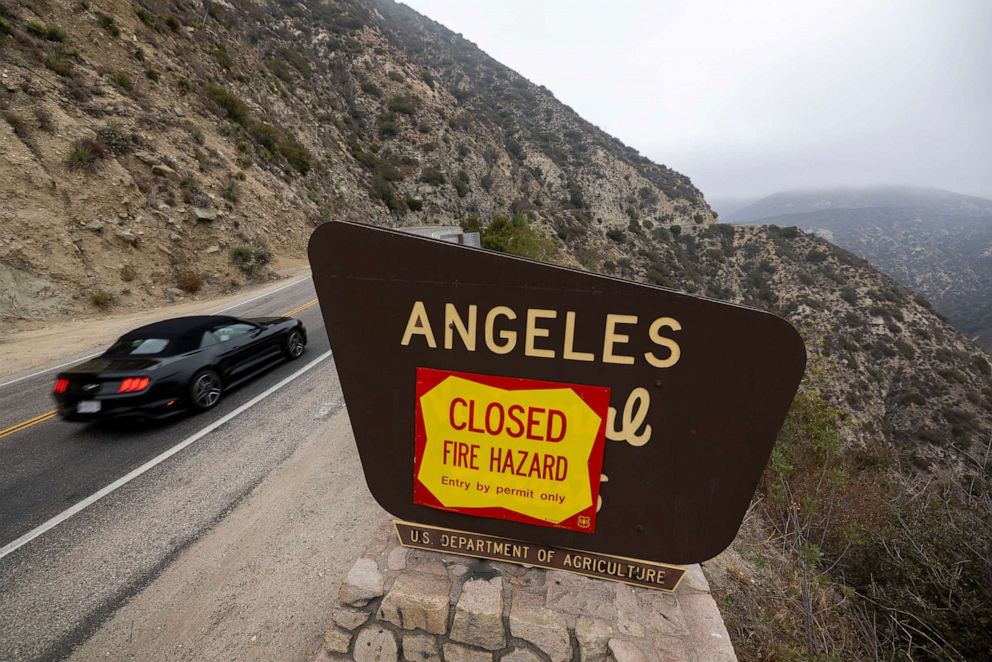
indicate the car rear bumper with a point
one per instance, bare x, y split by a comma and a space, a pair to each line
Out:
111, 408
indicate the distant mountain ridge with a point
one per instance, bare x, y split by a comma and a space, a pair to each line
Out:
934, 242
798, 202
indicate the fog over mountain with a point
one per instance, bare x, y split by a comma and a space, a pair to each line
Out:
935, 242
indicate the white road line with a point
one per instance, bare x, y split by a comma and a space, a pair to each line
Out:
49, 369
90, 356
158, 459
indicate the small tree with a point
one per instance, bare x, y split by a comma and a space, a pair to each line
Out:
517, 237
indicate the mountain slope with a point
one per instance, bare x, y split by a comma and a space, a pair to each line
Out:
937, 243
122, 120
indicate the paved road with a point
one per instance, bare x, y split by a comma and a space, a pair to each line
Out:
61, 584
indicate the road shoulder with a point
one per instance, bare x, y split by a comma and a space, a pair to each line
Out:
258, 584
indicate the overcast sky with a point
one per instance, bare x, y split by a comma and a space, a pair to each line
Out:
752, 98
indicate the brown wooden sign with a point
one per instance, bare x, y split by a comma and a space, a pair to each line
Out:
659, 576
473, 380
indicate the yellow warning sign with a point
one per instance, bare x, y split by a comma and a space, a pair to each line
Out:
510, 448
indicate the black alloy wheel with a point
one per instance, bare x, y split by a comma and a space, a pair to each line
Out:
205, 390
295, 344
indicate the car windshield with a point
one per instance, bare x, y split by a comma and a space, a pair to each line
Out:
139, 346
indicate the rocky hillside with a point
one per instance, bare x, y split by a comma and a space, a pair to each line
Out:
153, 149
157, 149
937, 243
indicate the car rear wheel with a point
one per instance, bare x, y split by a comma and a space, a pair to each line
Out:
205, 390
295, 344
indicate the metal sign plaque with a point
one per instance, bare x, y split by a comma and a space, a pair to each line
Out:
659, 576
515, 363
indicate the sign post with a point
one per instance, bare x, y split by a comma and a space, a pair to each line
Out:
498, 401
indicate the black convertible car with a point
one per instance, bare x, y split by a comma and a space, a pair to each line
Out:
174, 365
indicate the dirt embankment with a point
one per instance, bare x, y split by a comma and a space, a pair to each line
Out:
28, 344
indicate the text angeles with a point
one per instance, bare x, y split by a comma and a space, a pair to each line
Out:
501, 330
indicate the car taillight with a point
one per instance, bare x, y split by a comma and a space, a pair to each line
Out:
61, 385
133, 384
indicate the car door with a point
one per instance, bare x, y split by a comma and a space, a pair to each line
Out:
237, 345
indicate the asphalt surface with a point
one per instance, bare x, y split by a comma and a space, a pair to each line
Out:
60, 586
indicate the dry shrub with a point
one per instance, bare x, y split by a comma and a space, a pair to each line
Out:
101, 299
189, 281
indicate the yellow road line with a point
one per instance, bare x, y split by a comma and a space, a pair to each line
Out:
300, 309
48, 415
24, 425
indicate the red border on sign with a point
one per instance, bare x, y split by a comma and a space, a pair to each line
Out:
597, 397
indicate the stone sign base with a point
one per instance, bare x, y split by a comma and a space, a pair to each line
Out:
405, 604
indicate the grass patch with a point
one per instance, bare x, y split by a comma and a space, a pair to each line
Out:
86, 154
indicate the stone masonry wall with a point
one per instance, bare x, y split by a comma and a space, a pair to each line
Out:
404, 604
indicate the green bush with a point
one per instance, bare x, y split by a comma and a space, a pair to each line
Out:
223, 58
414, 204
471, 223
235, 108
395, 76
231, 191
516, 237
387, 125
115, 139
616, 235
432, 176
264, 134
389, 172
402, 103
295, 153
385, 191
107, 23
576, 199
122, 80
146, 17
48, 32
249, 258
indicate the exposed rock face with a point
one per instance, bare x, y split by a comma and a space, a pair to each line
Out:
280, 115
